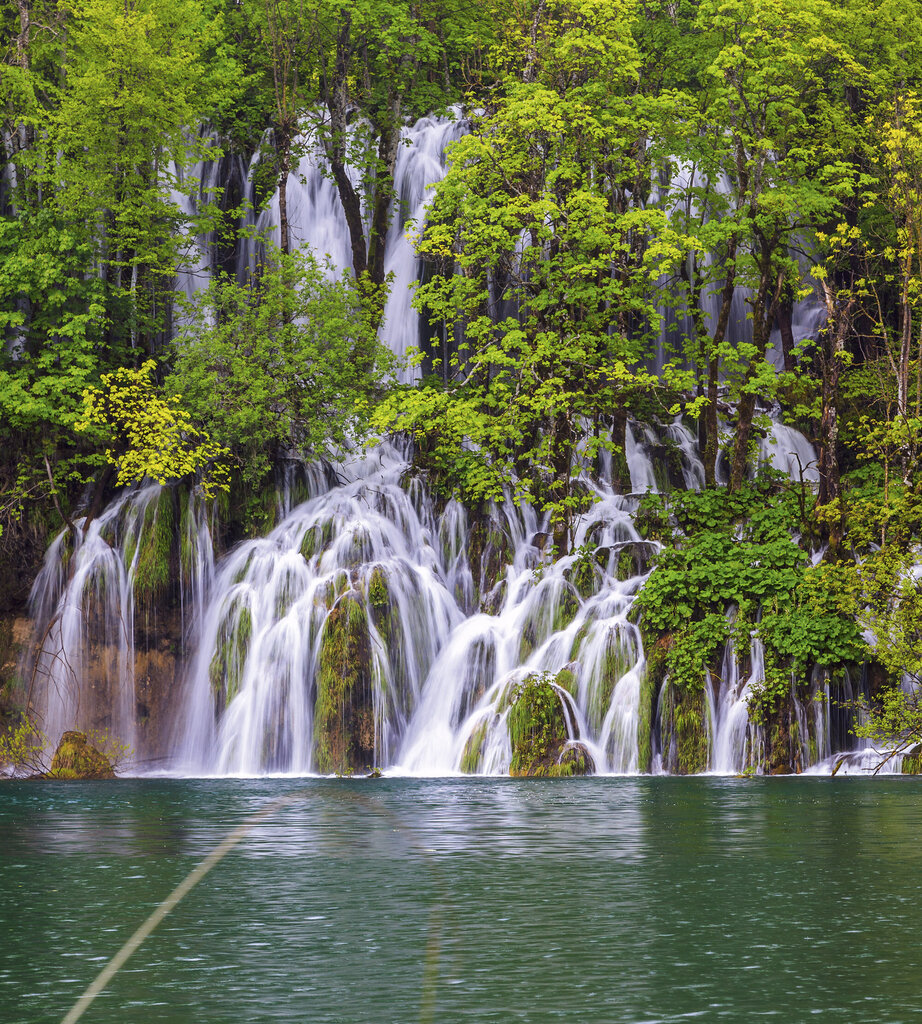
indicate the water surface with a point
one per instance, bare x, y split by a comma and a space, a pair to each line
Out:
400, 900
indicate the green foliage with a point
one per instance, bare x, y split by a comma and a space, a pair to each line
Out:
285, 364
94, 754
148, 435
537, 728
735, 553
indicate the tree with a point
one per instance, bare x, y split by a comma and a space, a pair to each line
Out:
286, 364
545, 270
786, 142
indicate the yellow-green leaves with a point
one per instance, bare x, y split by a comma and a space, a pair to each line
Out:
149, 434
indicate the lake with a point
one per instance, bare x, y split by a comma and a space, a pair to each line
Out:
467, 899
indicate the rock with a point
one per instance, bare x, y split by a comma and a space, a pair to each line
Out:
574, 759
344, 727
912, 761
76, 759
541, 747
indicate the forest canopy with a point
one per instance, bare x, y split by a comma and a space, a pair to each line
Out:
689, 208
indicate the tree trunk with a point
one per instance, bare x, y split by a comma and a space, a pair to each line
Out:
763, 315
388, 146
284, 241
336, 95
786, 327
720, 332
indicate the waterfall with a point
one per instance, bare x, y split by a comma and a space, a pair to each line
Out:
377, 624
99, 598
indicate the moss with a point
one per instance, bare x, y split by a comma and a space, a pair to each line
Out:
226, 669
152, 574
343, 713
539, 625
625, 566
912, 762
76, 759
618, 659
575, 759
586, 576
489, 553
472, 757
310, 543
383, 614
685, 731
566, 680
779, 759
578, 640
260, 510
538, 732
334, 588
648, 689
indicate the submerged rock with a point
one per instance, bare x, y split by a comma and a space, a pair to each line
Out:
76, 759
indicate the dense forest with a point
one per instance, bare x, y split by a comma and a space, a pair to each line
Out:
706, 212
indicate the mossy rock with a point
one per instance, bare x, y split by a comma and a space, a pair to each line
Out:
153, 568
383, 612
648, 693
227, 664
566, 680
493, 601
684, 729
538, 732
912, 761
574, 759
334, 588
313, 542
489, 553
586, 577
633, 559
76, 759
783, 754
542, 624
472, 756
344, 729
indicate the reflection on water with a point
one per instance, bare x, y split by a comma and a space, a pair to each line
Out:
598, 900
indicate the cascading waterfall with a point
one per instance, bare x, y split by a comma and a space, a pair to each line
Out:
86, 603
375, 627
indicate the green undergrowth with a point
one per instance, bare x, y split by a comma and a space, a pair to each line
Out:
731, 566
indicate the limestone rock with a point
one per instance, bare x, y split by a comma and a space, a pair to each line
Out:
76, 759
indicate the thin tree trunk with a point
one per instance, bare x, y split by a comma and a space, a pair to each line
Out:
720, 332
763, 314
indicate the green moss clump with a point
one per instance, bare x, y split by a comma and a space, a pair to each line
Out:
585, 575
685, 729
344, 729
383, 614
152, 574
227, 664
489, 553
575, 759
648, 690
472, 757
566, 680
912, 762
76, 759
538, 732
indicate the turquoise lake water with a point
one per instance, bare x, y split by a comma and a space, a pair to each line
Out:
469, 900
